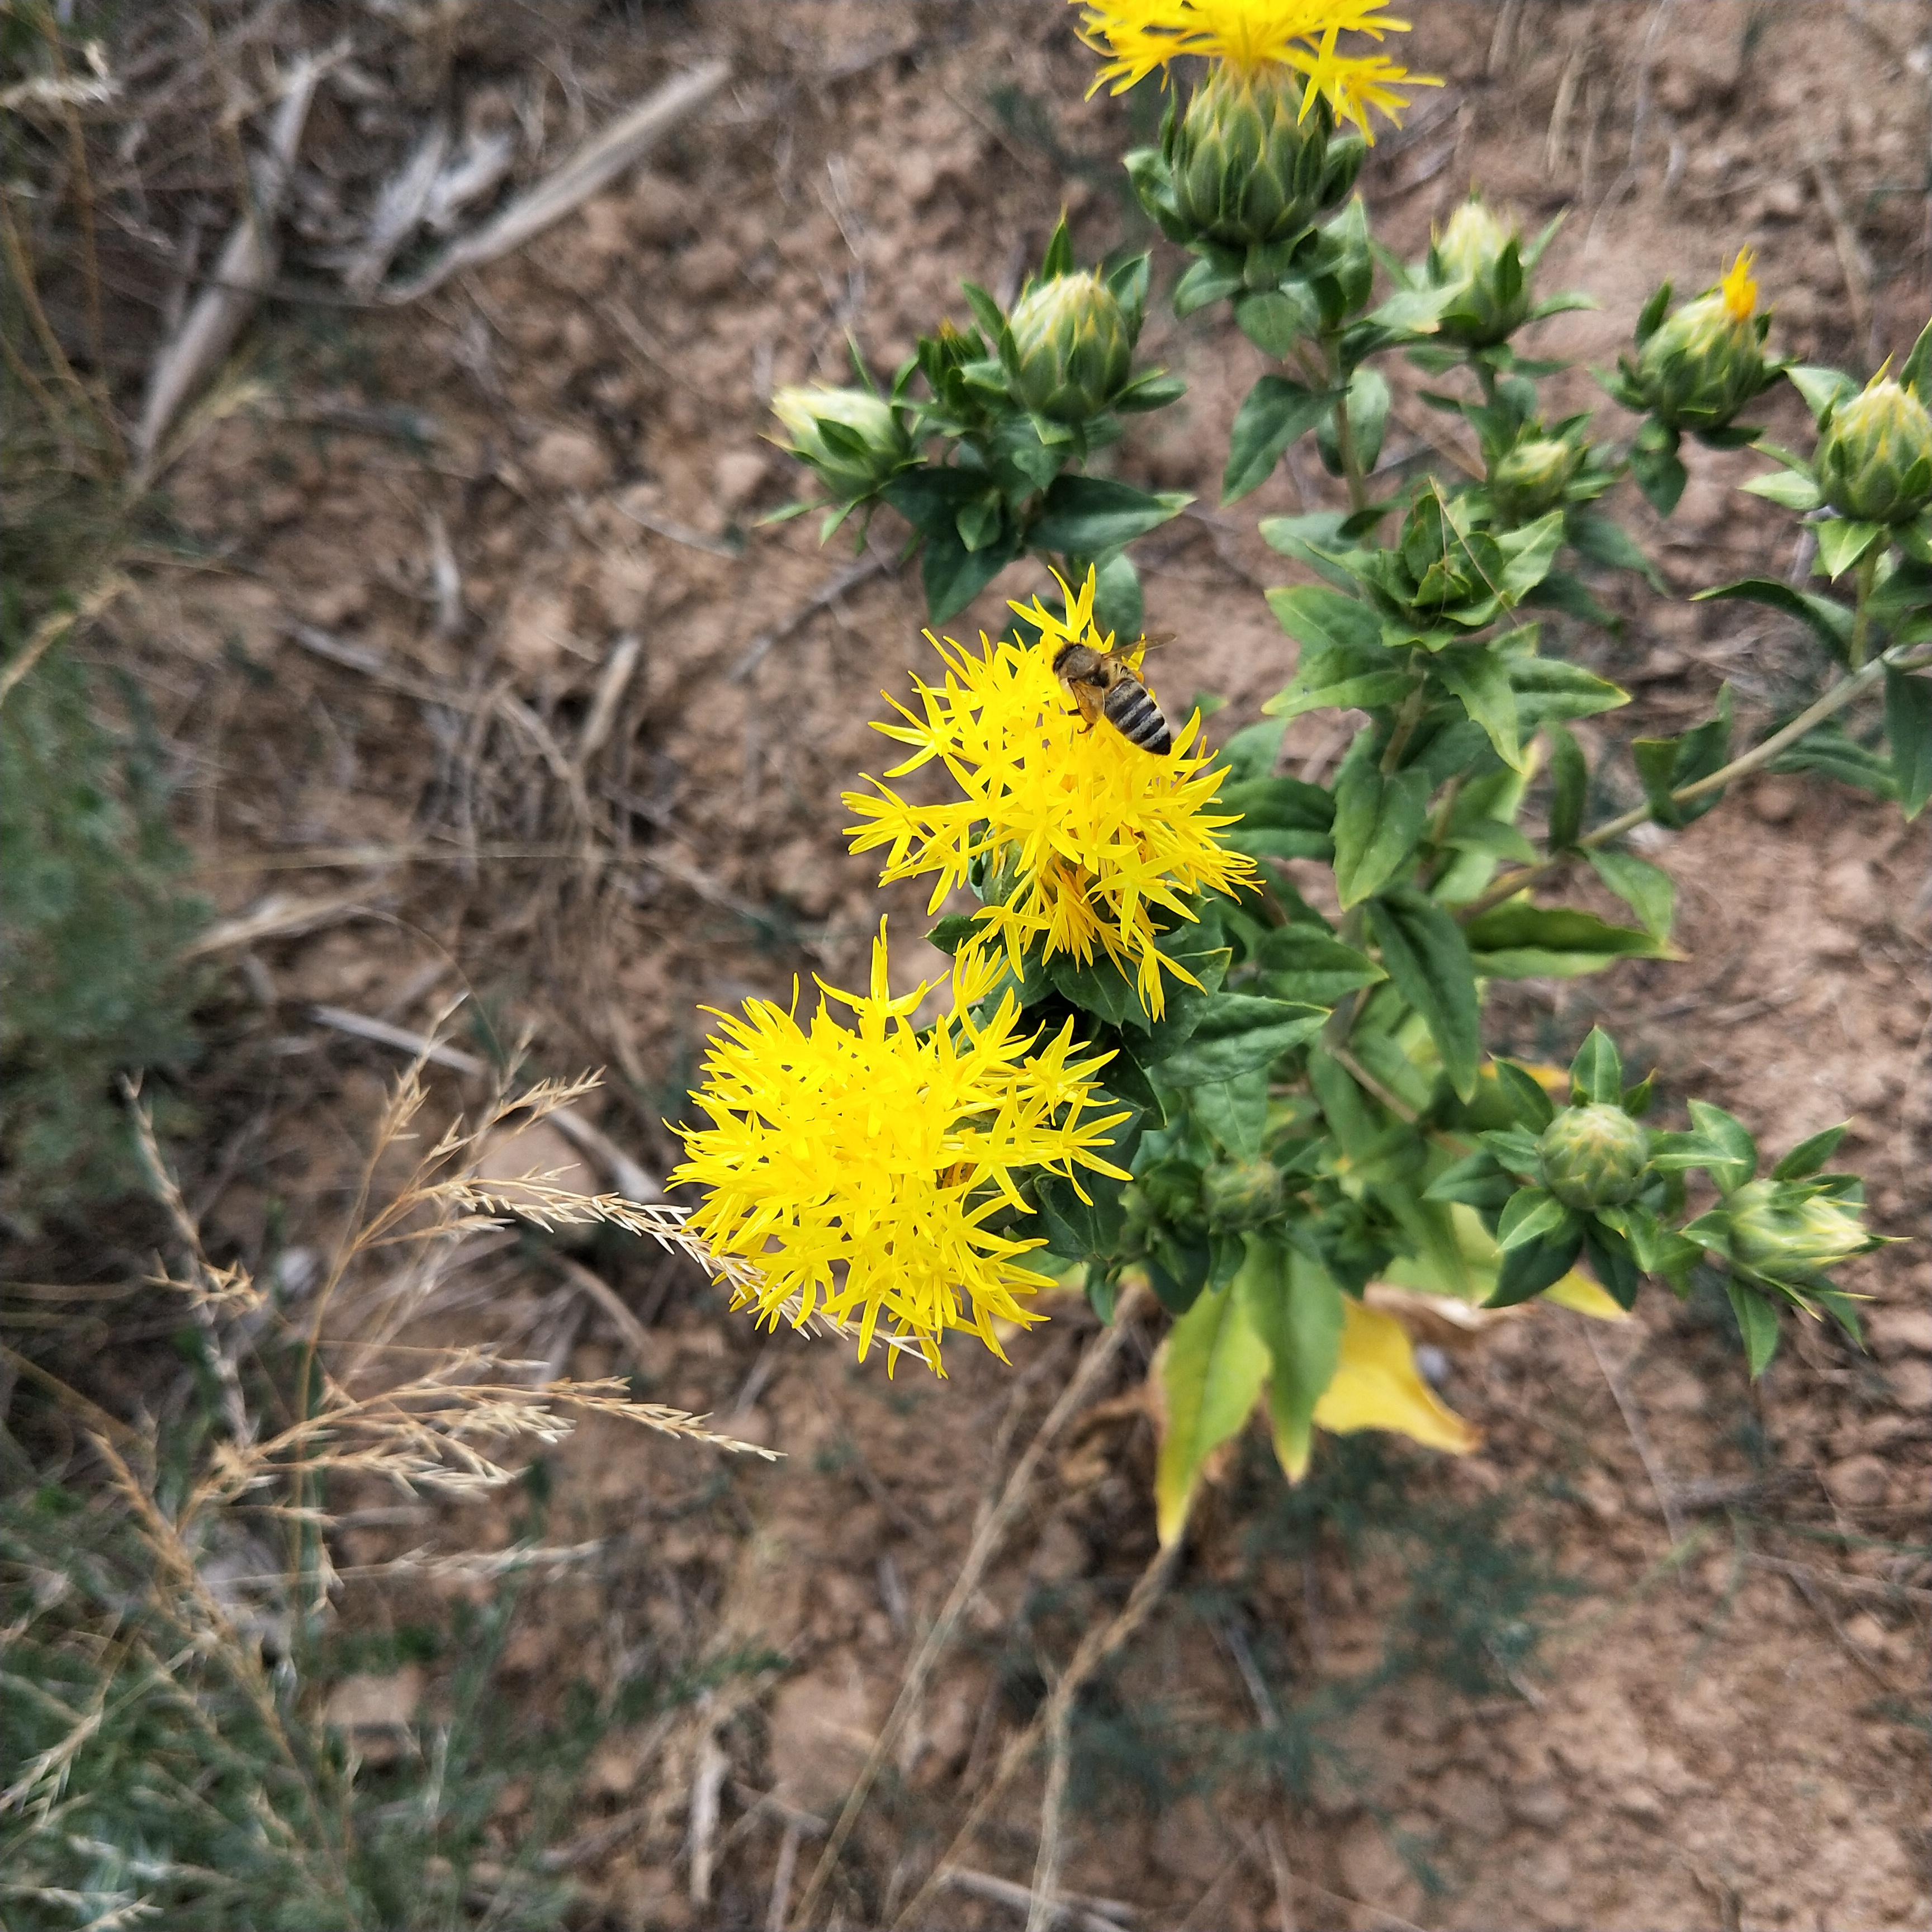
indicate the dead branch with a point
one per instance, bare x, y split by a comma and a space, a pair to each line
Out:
593, 166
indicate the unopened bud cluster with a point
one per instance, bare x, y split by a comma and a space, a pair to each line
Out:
1594, 1157
1073, 347
1874, 460
852, 439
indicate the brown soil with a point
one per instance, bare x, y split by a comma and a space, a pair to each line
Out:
1720, 1741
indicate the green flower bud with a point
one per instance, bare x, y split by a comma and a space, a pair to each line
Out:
1248, 165
1531, 479
1241, 1193
850, 437
1773, 1223
1072, 346
1706, 361
1594, 1157
1471, 250
1875, 456
1171, 1189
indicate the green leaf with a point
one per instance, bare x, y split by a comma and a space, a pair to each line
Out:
1087, 516
1209, 1370
1528, 554
1528, 1270
1233, 1112
1517, 941
1666, 766
954, 575
1757, 1323
1428, 958
1205, 282
1481, 680
1908, 725
1281, 818
1596, 1073
1311, 614
953, 931
1097, 986
1531, 1105
1477, 1180
1842, 541
1789, 489
1809, 1156
1378, 822
1304, 964
1276, 412
1570, 781
1647, 889
1531, 1214
1656, 468
1825, 748
1275, 319
1735, 1159
1238, 1031
1251, 752
1822, 389
1830, 621
1293, 1305
1367, 693
1553, 687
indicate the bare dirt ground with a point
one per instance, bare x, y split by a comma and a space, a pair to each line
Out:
1734, 1738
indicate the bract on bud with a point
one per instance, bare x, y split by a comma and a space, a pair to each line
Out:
1241, 1193
1875, 455
1477, 250
1594, 1157
850, 437
1073, 347
1249, 165
1774, 1226
1706, 361
1531, 479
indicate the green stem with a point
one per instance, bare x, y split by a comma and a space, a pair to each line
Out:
1835, 699
1345, 430
1861, 618
1406, 720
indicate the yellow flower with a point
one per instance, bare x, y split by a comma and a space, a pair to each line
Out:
1082, 836
858, 1168
1740, 291
1141, 35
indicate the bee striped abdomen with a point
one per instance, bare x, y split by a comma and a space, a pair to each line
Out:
1137, 717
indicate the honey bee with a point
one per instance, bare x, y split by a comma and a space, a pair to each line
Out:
1103, 684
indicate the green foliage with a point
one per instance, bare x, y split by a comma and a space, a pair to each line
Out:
92, 919
181, 1764
1319, 1105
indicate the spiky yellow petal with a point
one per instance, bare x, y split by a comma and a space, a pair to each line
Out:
1090, 843
1740, 290
857, 1167
1139, 36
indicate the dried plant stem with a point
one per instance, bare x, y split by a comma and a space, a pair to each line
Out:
985, 1541
1044, 1909
1095, 1648
52, 629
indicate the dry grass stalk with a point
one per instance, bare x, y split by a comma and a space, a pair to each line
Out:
245, 268
986, 1540
593, 166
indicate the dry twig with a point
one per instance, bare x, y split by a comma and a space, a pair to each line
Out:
599, 162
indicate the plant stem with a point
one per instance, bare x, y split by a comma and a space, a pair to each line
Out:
1406, 720
1835, 699
1862, 617
1345, 430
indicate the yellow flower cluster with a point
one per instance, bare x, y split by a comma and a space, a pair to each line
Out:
858, 1168
1084, 836
1249, 35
